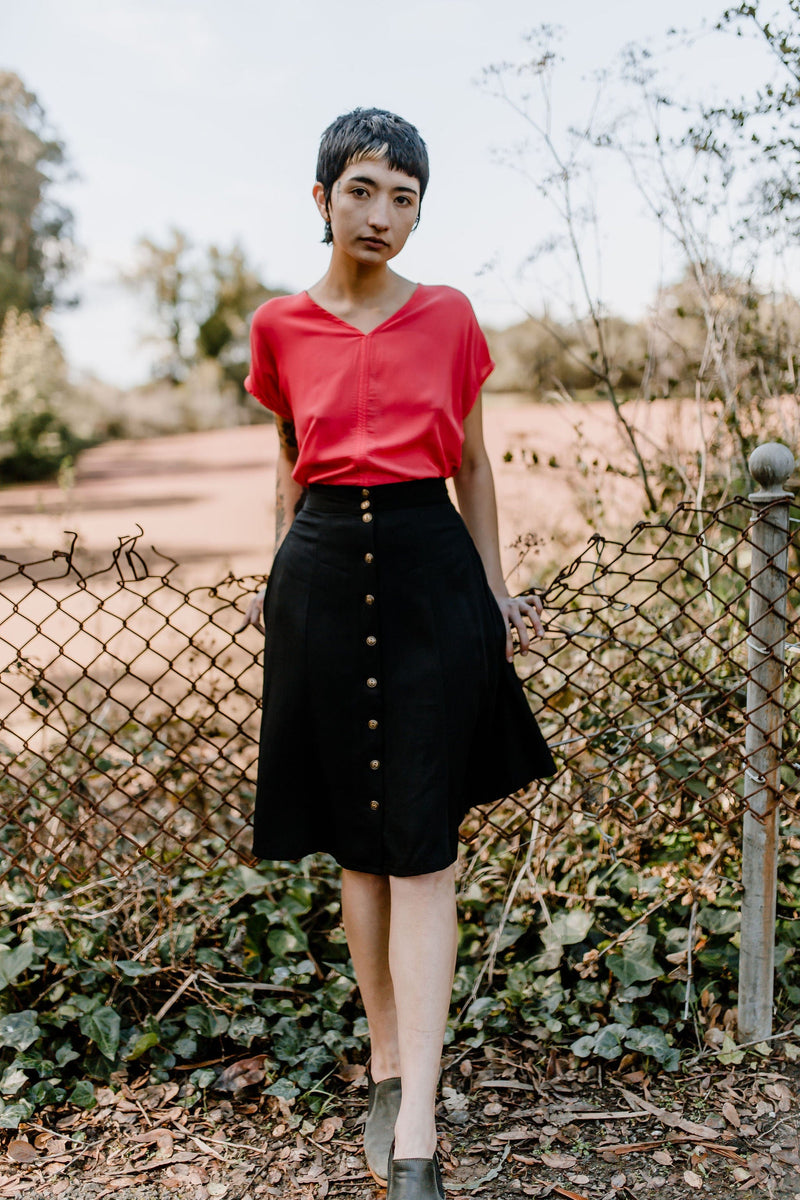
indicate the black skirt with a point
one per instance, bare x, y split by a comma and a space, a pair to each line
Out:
389, 708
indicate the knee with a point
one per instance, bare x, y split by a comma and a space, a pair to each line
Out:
365, 883
433, 883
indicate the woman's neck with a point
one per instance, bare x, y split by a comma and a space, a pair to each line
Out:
350, 282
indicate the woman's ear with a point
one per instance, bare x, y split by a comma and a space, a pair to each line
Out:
318, 192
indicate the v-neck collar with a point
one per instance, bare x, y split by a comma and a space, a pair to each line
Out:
354, 328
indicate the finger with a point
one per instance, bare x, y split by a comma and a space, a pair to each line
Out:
532, 600
522, 631
532, 614
509, 640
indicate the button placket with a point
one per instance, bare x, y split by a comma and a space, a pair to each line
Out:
370, 737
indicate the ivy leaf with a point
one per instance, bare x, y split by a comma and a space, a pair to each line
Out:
102, 1028
65, 1054
244, 881
244, 1027
584, 1046
568, 928
607, 1040
83, 1094
651, 1040
206, 1021
11, 1115
730, 1054
14, 962
719, 920
283, 1088
634, 960
134, 969
19, 1029
13, 1079
281, 942
203, 1077
142, 1044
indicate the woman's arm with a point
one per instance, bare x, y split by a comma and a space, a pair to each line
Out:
288, 493
474, 486
287, 490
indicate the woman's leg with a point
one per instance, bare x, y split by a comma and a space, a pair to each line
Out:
366, 911
422, 957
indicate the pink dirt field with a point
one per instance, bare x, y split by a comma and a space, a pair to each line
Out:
206, 499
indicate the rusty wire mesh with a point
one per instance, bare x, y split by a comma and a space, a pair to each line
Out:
129, 709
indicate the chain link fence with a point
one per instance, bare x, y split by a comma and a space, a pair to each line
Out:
129, 709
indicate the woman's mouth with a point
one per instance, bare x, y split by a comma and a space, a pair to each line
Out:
375, 243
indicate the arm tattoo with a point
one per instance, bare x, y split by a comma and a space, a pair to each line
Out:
280, 515
286, 433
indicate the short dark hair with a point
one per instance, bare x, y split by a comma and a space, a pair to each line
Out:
370, 133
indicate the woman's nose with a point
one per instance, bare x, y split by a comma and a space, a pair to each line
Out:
379, 213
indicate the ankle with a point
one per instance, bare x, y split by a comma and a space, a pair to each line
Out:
384, 1066
415, 1143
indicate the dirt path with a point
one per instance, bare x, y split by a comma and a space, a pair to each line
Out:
512, 1123
206, 499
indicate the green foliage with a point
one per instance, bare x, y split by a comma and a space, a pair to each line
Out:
35, 231
35, 440
201, 300
89, 976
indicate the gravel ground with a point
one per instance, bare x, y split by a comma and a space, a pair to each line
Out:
512, 1123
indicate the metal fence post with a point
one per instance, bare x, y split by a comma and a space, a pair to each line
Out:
770, 465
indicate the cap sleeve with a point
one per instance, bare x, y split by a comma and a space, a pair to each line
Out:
262, 380
478, 363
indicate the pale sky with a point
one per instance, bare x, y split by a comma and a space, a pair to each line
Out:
208, 116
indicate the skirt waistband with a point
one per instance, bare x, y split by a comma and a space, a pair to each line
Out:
352, 497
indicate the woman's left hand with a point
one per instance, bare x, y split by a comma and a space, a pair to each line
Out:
515, 609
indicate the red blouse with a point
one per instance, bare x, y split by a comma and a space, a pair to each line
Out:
372, 407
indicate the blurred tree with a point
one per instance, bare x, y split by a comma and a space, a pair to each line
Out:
36, 248
764, 123
201, 301
35, 440
169, 277
232, 290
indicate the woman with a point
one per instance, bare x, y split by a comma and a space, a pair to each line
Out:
391, 705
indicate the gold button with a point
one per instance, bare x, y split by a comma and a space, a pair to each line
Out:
372, 640
373, 724
368, 599
365, 491
376, 762
366, 517
365, 503
368, 557
372, 681
374, 804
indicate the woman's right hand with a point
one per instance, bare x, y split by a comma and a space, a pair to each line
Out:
254, 613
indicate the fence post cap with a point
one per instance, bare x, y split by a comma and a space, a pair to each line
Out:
771, 465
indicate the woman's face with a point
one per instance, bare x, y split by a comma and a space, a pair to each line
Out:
372, 210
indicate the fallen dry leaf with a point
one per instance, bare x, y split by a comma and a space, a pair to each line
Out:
21, 1151
327, 1129
693, 1179
730, 1114
350, 1072
559, 1162
241, 1074
671, 1119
